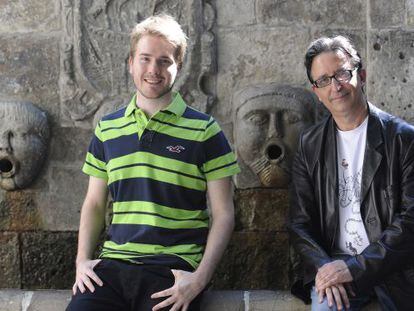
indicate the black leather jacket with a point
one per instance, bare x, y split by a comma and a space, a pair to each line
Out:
387, 208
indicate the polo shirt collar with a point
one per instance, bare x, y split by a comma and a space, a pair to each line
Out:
177, 105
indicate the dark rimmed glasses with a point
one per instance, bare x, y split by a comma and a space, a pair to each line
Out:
340, 76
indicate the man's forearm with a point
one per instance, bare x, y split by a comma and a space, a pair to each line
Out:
91, 225
218, 238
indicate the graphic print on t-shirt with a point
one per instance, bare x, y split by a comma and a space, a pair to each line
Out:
352, 237
349, 198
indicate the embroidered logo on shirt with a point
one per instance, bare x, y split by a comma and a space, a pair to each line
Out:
176, 149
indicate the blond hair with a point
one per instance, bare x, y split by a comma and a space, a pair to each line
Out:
164, 26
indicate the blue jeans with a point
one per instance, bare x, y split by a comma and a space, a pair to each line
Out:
356, 302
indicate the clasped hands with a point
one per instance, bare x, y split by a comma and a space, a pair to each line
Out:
333, 280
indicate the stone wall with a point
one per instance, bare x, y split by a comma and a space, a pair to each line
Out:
68, 57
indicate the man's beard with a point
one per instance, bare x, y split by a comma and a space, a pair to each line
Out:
162, 93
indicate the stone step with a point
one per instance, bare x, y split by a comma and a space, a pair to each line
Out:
232, 300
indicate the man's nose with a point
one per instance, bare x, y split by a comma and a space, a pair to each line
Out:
336, 85
275, 126
154, 67
5, 141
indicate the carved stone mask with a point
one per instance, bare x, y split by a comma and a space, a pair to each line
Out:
267, 125
24, 137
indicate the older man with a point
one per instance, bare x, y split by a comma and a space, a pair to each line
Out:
352, 207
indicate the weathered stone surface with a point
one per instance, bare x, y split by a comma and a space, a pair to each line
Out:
24, 138
29, 70
9, 261
305, 13
223, 300
48, 259
28, 15
49, 301
261, 210
409, 6
69, 145
391, 72
11, 300
386, 13
60, 208
254, 260
244, 13
249, 56
19, 212
275, 301
268, 119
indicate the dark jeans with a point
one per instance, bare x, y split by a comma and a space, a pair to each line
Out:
127, 287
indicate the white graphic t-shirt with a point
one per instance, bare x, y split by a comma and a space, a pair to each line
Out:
352, 238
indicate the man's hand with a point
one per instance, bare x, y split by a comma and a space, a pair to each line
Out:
186, 288
335, 295
84, 274
332, 273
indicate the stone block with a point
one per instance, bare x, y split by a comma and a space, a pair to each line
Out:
28, 15
390, 82
261, 210
223, 300
11, 300
387, 13
319, 12
252, 55
9, 261
29, 70
244, 9
409, 6
275, 301
48, 259
69, 145
49, 300
19, 212
59, 208
254, 260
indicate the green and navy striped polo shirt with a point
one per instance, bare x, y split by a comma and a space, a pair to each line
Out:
157, 171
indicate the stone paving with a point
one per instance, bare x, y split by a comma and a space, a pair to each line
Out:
258, 300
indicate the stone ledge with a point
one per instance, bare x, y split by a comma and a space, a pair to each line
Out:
232, 300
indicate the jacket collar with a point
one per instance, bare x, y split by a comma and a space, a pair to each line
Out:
373, 154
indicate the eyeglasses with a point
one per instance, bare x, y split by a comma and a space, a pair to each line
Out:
340, 76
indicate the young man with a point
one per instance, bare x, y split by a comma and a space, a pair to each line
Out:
352, 208
159, 158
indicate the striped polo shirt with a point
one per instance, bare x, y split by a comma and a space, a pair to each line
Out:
157, 171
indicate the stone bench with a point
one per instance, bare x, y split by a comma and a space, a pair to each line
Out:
254, 300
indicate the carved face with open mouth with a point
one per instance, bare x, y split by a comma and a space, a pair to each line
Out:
24, 136
268, 123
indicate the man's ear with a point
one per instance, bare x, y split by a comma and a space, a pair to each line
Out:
363, 75
130, 60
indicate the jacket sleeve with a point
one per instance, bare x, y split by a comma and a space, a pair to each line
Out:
304, 219
394, 250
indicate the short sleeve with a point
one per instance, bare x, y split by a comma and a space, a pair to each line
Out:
220, 160
95, 164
